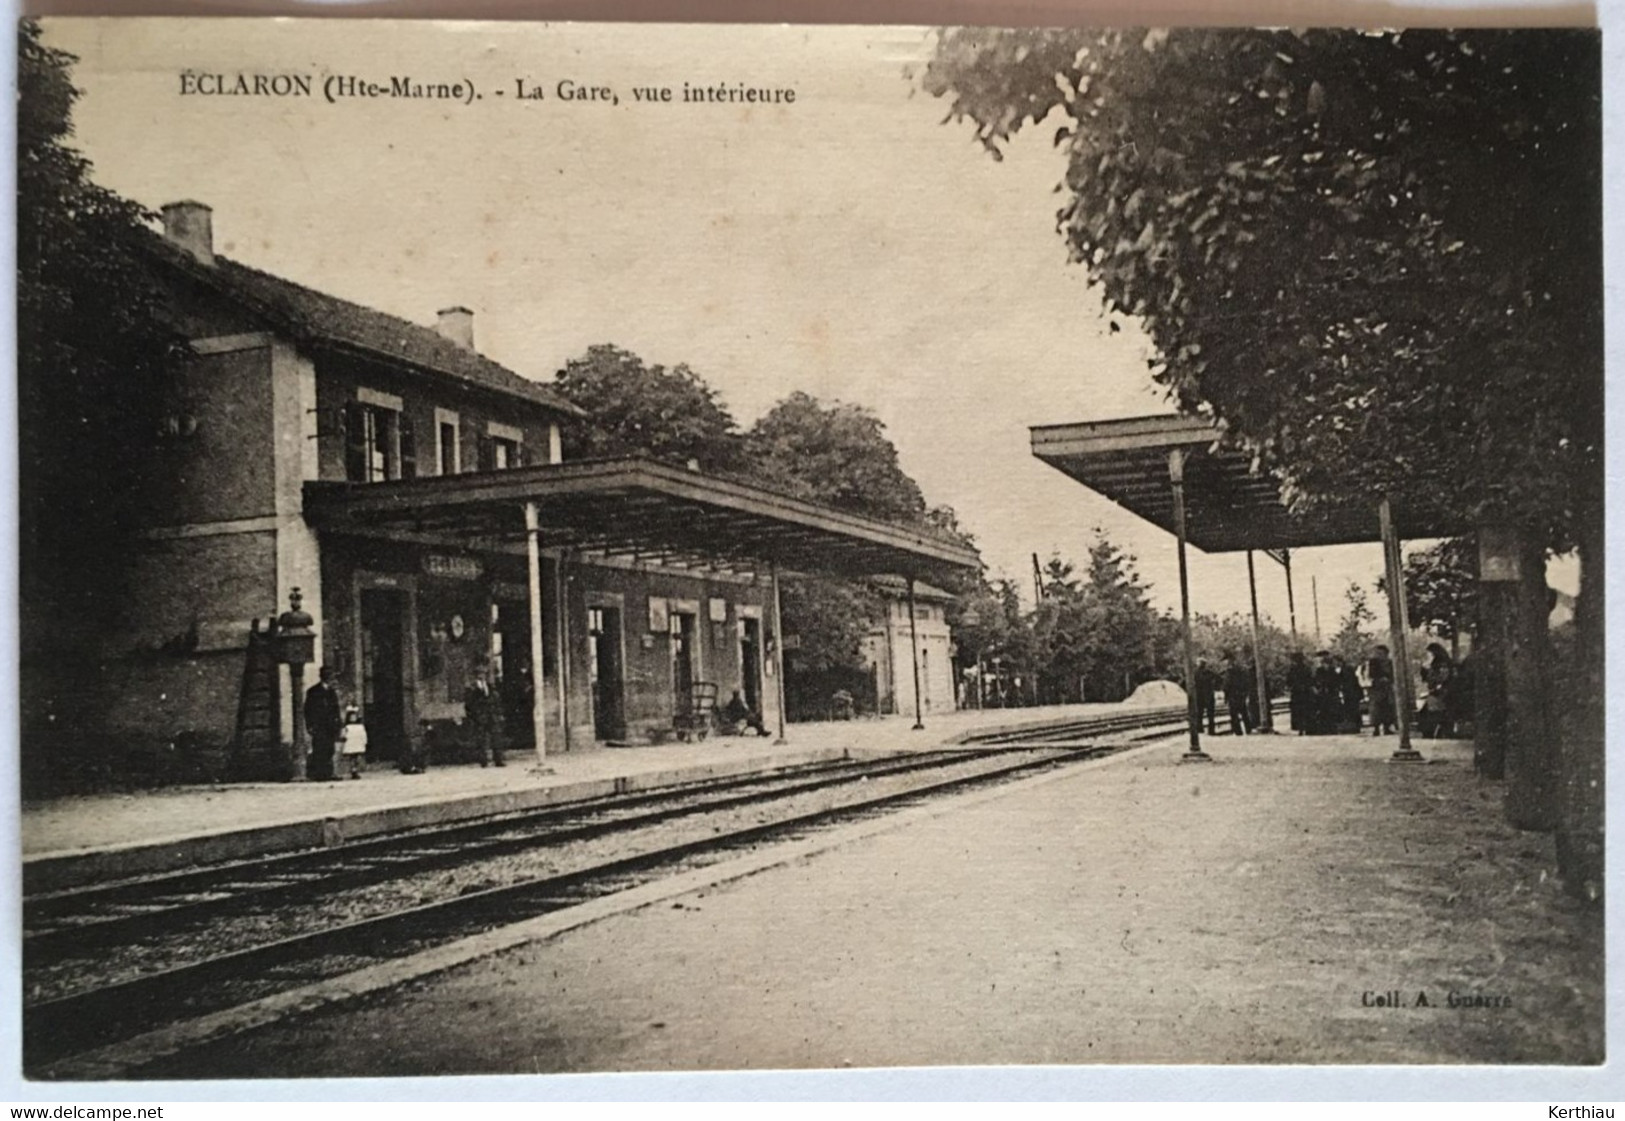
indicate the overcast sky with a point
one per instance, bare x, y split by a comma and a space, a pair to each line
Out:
850, 245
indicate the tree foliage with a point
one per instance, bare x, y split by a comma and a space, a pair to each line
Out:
1441, 586
1093, 634
1373, 257
1215, 639
1354, 638
93, 351
836, 454
670, 413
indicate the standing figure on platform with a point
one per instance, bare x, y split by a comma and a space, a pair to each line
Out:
482, 707
1300, 683
1436, 718
518, 700
1350, 693
1384, 712
324, 719
353, 741
1328, 696
1236, 685
1207, 697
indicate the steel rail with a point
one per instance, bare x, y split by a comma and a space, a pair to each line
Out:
294, 877
250, 887
68, 1025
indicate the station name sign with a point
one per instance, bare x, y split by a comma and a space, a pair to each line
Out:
446, 567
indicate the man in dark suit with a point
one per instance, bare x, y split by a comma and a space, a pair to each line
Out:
482, 707
1236, 687
1207, 696
324, 719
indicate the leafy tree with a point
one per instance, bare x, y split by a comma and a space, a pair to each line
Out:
1214, 638
93, 356
1373, 258
1354, 639
670, 413
991, 631
1441, 587
839, 455
836, 454
1094, 636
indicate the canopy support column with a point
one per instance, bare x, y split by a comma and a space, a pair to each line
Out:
561, 660
538, 690
1193, 714
914, 653
1291, 606
1398, 630
1260, 686
778, 651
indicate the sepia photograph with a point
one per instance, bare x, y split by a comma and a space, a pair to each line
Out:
570, 548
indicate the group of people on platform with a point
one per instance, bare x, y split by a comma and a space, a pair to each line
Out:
1328, 696
338, 735
496, 717
1239, 683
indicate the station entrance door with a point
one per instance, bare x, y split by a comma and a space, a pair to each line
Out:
604, 666
750, 662
384, 704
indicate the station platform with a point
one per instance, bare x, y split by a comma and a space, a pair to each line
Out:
77, 840
1299, 900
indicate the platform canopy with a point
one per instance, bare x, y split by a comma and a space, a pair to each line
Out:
1230, 504
644, 508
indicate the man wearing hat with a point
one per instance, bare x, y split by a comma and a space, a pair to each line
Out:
324, 719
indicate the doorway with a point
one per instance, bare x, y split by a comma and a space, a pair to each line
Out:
604, 665
383, 671
750, 662
682, 661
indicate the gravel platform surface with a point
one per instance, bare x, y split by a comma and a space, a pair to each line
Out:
1257, 910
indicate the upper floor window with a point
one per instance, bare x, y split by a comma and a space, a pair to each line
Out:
379, 442
504, 453
505, 447
448, 442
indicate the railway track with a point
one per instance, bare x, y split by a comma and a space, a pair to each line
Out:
74, 930
77, 922
1148, 724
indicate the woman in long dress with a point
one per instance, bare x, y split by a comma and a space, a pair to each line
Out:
1300, 683
1384, 713
1437, 719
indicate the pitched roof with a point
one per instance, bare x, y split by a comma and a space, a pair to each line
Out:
316, 316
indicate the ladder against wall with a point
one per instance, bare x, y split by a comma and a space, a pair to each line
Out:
257, 749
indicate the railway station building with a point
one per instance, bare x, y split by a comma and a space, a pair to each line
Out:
890, 649
413, 494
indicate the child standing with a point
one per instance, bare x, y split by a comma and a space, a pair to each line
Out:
354, 740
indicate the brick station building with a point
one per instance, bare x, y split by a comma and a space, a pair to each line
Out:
414, 492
